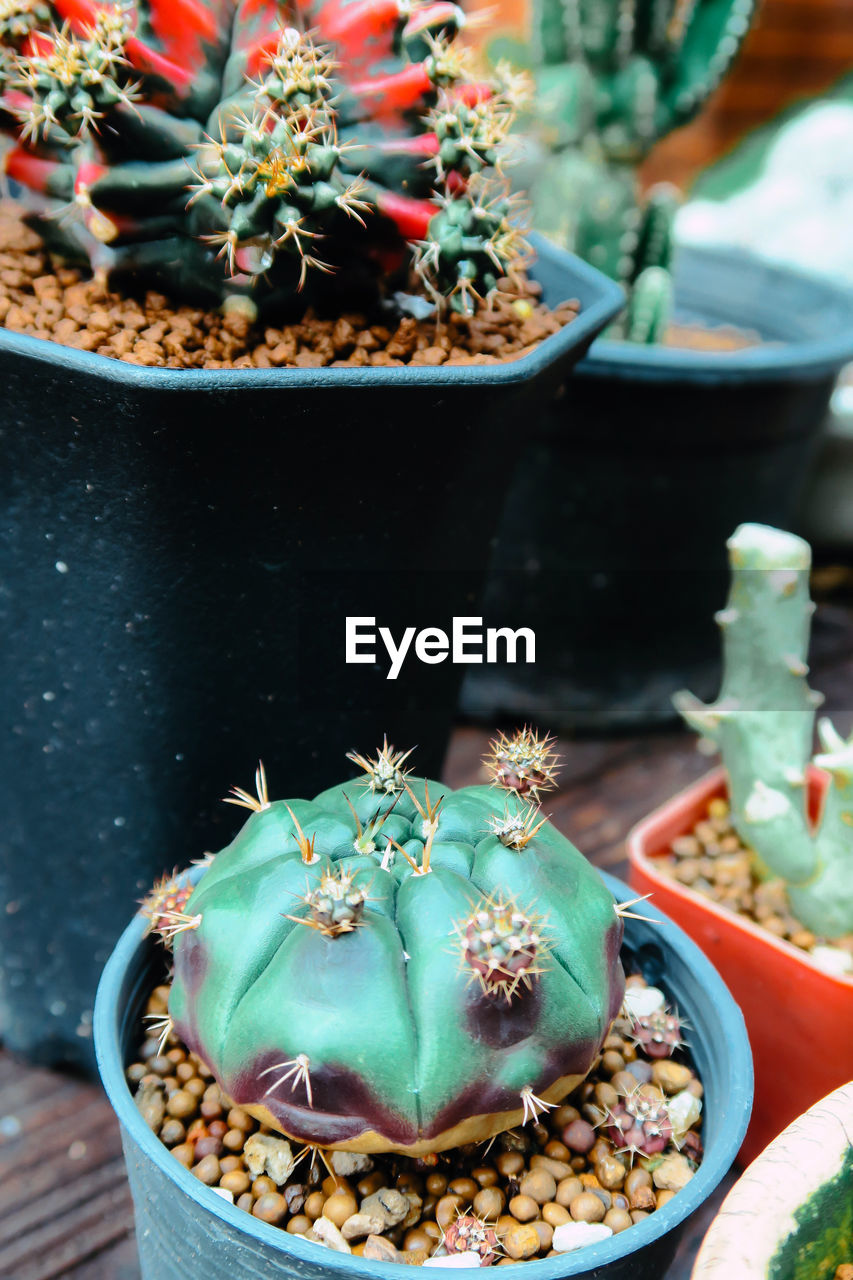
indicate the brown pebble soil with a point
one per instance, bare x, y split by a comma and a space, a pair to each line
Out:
720, 338
505, 1198
63, 305
714, 861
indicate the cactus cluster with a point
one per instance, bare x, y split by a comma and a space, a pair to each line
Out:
243, 151
763, 724
389, 966
612, 78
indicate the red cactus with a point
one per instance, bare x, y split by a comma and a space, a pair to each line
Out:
294, 139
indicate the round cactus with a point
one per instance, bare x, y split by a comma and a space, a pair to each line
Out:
640, 1123
470, 1234
222, 149
445, 979
658, 1033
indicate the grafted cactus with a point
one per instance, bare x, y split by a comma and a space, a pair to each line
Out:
215, 147
611, 79
435, 986
763, 723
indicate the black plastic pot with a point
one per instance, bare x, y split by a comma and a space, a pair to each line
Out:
180, 552
187, 1232
612, 545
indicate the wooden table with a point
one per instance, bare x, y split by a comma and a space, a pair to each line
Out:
65, 1208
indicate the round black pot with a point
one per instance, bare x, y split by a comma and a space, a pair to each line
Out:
612, 544
180, 551
187, 1232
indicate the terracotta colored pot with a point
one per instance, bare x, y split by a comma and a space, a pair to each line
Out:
791, 1214
798, 1016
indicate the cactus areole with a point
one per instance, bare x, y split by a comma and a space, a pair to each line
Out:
250, 149
390, 966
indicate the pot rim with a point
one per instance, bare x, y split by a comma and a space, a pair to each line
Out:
605, 299
736, 1099
747, 1231
642, 834
795, 359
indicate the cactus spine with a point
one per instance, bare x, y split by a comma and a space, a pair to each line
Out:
611, 79
442, 986
763, 724
216, 148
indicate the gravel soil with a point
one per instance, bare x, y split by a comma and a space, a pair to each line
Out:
579, 1172
714, 861
720, 338
62, 305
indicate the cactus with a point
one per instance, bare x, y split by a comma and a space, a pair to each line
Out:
763, 724
470, 1234
657, 1033
216, 149
444, 986
640, 1123
611, 79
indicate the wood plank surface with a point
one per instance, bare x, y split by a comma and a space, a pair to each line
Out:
65, 1207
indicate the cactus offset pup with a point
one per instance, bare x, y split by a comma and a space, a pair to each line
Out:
243, 151
434, 984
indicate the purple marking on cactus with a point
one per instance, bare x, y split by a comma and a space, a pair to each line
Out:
485, 1097
344, 1107
501, 1024
192, 959
574, 1059
612, 947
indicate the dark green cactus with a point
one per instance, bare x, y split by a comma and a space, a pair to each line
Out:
612, 78
763, 723
474, 240
215, 148
445, 979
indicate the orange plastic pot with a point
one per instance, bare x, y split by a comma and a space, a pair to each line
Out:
798, 1017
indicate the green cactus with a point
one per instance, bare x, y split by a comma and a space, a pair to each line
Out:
450, 977
612, 78
475, 234
217, 150
763, 723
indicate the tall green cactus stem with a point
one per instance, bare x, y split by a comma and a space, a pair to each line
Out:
763, 723
215, 148
449, 984
612, 79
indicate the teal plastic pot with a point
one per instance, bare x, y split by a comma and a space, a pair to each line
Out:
180, 551
186, 1232
612, 543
